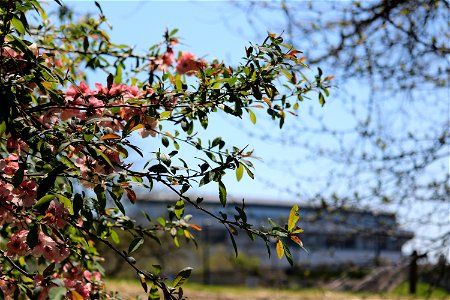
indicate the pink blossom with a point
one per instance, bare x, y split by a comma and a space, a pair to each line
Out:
17, 245
6, 217
6, 195
56, 215
7, 51
10, 165
163, 62
112, 124
150, 125
14, 143
80, 103
45, 285
25, 193
51, 61
49, 249
74, 108
95, 107
92, 276
51, 117
8, 288
188, 64
75, 91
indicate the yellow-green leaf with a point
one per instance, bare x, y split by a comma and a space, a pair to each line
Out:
293, 217
66, 202
18, 25
165, 114
239, 172
280, 249
252, 116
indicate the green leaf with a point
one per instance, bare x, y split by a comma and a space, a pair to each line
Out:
133, 122
159, 168
249, 173
49, 270
287, 74
182, 277
44, 202
252, 116
18, 177
154, 294
77, 204
178, 83
232, 81
33, 236
161, 221
321, 99
165, 114
239, 172
222, 193
18, 25
256, 92
2, 128
156, 269
66, 201
99, 7
57, 293
165, 141
288, 254
179, 209
118, 76
233, 241
101, 197
293, 217
115, 237
105, 158
135, 244
85, 43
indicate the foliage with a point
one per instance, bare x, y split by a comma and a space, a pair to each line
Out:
389, 145
66, 179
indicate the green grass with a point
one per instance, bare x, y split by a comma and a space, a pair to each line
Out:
131, 288
422, 290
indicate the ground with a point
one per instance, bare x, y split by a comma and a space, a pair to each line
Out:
132, 290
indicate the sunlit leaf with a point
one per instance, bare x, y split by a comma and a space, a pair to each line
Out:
57, 293
182, 277
293, 217
252, 116
239, 172
280, 249
135, 244
222, 193
110, 136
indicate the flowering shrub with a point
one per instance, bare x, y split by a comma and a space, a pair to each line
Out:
57, 133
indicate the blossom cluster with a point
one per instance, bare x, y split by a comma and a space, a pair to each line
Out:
39, 232
187, 62
80, 283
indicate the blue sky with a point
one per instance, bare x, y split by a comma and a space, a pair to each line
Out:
210, 29
213, 29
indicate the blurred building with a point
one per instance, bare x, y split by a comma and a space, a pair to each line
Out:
332, 237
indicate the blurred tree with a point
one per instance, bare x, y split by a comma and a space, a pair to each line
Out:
390, 143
